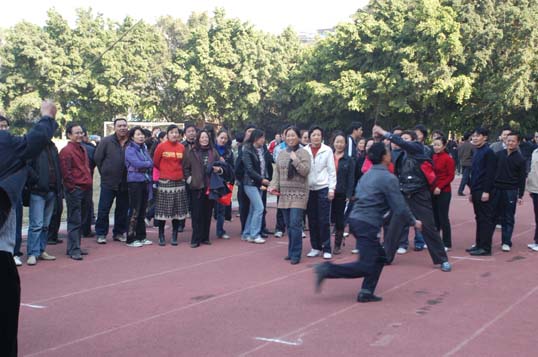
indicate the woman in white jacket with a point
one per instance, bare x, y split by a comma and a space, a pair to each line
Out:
322, 182
532, 187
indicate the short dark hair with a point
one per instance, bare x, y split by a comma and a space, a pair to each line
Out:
3, 118
119, 119
376, 153
69, 127
161, 135
515, 133
354, 126
313, 128
133, 130
172, 127
467, 135
189, 125
199, 134
422, 129
481, 131
294, 129
146, 132
249, 126
336, 134
505, 128
397, 128
442, 138
438, 131
411, 133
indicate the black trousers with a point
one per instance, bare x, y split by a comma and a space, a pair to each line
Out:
10, 300
56, 219
371, 260
264, 201
244, 205
138, 200
485, 220
88, 216
76, 208
420, 204
338, 207
202, 207
441, 206
319, 216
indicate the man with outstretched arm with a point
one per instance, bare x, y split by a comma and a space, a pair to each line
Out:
16, 150
378, 192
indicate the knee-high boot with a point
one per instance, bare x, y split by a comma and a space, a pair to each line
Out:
162, 242
175, 229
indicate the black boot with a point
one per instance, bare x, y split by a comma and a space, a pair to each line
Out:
162, 242
175, 228
339, 237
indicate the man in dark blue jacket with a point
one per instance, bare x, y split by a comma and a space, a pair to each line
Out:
16, 150
377, 193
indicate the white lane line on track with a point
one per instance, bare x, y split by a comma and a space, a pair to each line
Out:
156, 316
297, 342
34, 306
126, 281
490, 323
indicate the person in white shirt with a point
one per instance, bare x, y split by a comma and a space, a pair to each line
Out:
322, 183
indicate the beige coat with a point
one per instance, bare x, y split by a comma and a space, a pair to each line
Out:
294, 192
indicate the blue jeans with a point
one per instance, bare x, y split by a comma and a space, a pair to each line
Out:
220, 211
41, 209
106, 198
293, 217
253, 224
319, 216
18, 229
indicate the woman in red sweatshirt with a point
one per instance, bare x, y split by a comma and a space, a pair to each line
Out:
172, 201
444, 168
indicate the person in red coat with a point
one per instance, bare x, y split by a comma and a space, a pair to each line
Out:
444, 168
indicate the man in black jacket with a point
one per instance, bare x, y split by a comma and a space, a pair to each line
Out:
45, 182
13, 172
110, 160
415, 188
509, 186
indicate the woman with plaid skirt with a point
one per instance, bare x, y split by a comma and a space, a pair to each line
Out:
171, 202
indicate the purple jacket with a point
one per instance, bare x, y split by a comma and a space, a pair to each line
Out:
138, 163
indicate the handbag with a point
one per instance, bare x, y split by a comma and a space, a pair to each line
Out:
226, 200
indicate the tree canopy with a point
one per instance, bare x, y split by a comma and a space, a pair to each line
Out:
450, 64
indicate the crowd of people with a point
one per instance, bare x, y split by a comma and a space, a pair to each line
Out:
378, 186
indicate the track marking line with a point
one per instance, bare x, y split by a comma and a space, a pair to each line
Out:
476, 259
34, 306
298, 342
169, 312
126, 281
491, 322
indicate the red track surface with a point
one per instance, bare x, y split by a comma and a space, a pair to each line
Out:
240, 299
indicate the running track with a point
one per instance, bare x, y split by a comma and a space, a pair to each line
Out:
240, 299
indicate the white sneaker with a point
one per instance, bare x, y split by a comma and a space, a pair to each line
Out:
146, 242
303, 234
346, 234
354, 251
401, 250
532, 245
135, 244
250, 239
101, 240
46, 256
535, 248
327, 255
447, 249
314, 253
498, 226
225, 236
31, 260
17, 261
425, 246
278, 234
258, 240
505, 248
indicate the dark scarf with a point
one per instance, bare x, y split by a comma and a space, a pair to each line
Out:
292, 171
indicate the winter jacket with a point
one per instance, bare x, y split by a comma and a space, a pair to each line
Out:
39, 171
532, 178
322, 171
444, 167
345, 176
252, 166
110, 160
138, 163
194, 168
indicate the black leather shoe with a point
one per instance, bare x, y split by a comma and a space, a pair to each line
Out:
195, 245
76, 257
266, 231
264, 235
480, 252
320, 270
469, 250
83, 252
295, 262
207, 242
368, 298
287, 257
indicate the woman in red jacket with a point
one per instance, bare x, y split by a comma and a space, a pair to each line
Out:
444, 168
